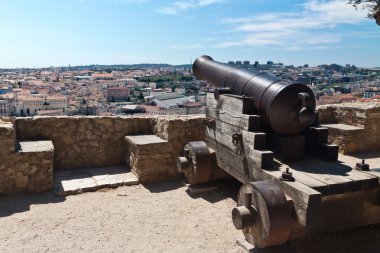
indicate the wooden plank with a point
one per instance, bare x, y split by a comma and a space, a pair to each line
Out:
374, 161
235, 166
242, 105
260, 157
316, 135
255, 140
343, 211
311, 168
375, 173
341, 178
316, 144
306, 199
338, 177
223, 132
222, 111
348, 210
287, 148
316, 184
327, 152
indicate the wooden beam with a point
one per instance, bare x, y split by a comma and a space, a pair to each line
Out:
306, 199
224, 110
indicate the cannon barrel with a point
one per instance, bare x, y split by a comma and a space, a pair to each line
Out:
287, 108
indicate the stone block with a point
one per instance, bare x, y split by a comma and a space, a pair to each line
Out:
150, 158
35, 160
349, 138
101, 143
21, 180
365, 116
7, 138
92, 179
147, 144
36, 146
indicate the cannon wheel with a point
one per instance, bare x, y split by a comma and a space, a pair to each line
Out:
199, 153
272, 217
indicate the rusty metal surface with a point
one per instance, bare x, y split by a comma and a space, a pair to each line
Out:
287, 108
273, 218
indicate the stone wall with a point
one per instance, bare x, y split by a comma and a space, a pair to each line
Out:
23, 167
362, 115
84, 142
160, 161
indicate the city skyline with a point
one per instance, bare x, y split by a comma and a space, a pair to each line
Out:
84, 32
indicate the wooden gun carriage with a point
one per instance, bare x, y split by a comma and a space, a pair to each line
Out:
267, 137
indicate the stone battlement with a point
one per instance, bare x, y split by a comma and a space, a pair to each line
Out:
32, 148
354, 127
84, 142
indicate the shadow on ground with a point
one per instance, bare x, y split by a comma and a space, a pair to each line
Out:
363, 239
226, 188
366, 155
20, 203
163, 186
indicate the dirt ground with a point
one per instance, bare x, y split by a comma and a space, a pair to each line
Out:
160, 217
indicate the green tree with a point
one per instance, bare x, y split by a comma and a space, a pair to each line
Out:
373, 7
140, 96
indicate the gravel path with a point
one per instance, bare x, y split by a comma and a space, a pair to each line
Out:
145, 218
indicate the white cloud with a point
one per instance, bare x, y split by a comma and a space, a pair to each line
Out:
179, 6
315, 27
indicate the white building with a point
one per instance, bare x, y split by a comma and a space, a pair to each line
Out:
30, 105
370, 93
129, 81
155, 110
5, 108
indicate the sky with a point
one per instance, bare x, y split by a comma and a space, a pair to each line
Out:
43, 33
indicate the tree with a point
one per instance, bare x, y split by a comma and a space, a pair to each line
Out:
140, 96
373, 7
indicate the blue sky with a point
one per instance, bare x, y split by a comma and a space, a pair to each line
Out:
42, 33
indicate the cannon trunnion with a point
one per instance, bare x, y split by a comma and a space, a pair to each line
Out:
293, 185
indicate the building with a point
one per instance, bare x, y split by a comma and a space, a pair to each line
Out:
49, 113
29, 105
102, 76
371, 93
6, 89
194, 108
5, 108
118, 93
85, 109
156, 110
132, 109
129, 82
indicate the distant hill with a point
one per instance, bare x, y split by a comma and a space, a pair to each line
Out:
96, 67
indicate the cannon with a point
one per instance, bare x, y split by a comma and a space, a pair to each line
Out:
287, 108
264, 132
